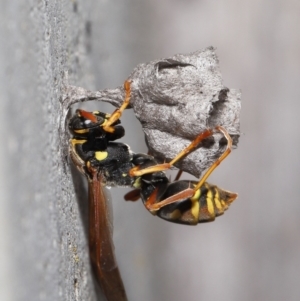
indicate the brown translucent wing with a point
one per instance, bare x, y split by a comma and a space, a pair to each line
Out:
101, 244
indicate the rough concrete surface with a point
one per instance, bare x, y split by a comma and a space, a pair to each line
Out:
46, 240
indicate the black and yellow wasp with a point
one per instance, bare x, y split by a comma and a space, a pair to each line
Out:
105, 162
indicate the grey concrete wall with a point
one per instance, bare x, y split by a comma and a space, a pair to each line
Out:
250, 253
46, 254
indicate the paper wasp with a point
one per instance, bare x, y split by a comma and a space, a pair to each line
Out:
105, 162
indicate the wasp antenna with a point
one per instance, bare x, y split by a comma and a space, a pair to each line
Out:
87, 115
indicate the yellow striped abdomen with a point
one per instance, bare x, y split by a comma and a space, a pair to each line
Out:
207, 203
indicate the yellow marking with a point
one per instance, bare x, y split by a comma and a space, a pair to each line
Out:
217, 200
88, 164
77, 141
124, 175
175, 215
137, 183
96, 112
209, 202
101, 155
195, 209
82, 131
223, 204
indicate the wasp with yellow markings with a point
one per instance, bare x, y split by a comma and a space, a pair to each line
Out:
105, 162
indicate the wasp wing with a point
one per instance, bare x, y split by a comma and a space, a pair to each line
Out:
101, 243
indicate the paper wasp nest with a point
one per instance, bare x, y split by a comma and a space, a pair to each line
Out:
175, 99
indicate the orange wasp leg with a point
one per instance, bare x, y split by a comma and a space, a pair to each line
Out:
153, 206
135, 172
133, 195
118, 112
179, 173
219, 160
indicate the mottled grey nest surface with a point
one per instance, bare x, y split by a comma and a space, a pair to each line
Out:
175, 99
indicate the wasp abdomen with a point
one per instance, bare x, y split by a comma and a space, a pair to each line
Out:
205, 205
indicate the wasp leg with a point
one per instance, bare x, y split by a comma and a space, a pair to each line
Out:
76, 154
118, 112
179, 173
219, 160
154, 206
136, 172
132, 195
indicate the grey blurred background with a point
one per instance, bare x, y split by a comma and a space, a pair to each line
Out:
250, 253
